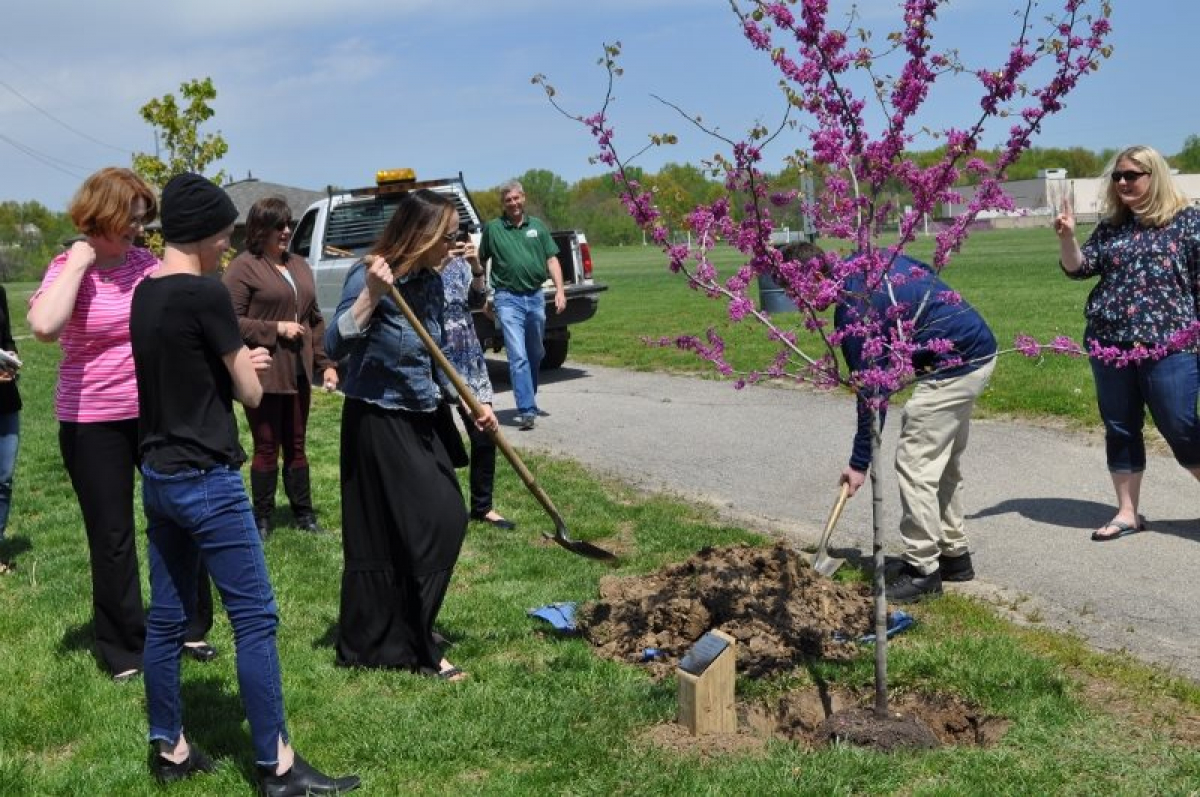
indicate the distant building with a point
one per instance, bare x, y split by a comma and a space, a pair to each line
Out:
1039, 199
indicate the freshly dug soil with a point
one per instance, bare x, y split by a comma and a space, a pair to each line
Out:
778, 608
781, 612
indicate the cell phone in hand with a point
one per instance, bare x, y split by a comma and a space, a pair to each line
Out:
9, 360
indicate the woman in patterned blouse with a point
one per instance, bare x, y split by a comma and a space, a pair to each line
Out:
1146, 252
465, 284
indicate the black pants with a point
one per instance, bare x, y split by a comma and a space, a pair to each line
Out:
403, 524
101, 459
483, 465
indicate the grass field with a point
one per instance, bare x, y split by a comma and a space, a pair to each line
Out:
542, 715
1011, 277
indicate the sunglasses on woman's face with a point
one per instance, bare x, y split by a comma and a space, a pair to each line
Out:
1129, 177
283, 225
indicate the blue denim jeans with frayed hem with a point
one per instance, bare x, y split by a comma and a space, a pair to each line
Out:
10, 436
523, 321
1169, 388
206, 516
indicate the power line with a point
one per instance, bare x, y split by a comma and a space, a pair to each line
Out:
61, 123
47, 160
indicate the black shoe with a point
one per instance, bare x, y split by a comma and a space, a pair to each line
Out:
911, 586
956, 568
166, 771
264, 527
202, 653
302, 779
309, 523
500, 523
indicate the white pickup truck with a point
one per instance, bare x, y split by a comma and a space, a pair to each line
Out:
337, 230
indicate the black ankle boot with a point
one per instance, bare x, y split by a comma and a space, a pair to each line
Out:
166, 771
911, 586
262, 495
302, 779
297, 485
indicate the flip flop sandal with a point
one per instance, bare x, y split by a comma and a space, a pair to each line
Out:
452, 674
1123, 529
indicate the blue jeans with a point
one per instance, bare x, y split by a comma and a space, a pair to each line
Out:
10, 435
523, 320
1169, 388
205, 516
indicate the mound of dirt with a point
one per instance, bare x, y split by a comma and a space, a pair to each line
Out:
778, 608
781, 612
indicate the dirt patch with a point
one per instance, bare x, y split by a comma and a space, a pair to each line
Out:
769, 599
781, 613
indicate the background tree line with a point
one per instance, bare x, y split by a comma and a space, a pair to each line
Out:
31, 234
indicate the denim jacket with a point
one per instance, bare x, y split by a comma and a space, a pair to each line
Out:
386, 363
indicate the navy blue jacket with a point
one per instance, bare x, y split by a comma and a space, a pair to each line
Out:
974, 344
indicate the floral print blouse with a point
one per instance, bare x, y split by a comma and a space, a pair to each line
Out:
461, 343
1149, 284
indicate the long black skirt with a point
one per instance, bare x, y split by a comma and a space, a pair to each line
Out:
403, 524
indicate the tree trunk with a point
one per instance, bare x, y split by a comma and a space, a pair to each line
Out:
879, 590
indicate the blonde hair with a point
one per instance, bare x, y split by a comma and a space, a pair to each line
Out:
101, 205
421, 216
1163, 199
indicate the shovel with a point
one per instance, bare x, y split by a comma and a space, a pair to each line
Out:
821, 561
560, 535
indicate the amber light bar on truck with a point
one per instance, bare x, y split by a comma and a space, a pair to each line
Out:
384, 176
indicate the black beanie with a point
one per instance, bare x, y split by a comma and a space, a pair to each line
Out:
193, 208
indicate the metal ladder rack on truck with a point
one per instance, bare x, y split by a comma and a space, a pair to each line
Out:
336, 231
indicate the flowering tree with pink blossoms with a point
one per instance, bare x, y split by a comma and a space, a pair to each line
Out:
856, 124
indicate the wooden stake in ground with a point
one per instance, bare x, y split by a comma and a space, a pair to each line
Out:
706, 678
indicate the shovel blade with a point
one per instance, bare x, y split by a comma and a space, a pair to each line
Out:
827, 565
583, 548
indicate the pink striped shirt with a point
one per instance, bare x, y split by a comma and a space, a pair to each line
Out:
96, 381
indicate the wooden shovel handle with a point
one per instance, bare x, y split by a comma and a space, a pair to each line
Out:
476, 408
836, 512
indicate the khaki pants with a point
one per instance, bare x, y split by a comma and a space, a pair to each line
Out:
933, 434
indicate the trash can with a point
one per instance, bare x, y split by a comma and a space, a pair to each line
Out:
771, 297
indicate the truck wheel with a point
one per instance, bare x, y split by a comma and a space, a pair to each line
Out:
556, 353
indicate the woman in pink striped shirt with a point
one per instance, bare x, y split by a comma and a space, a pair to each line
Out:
83, 304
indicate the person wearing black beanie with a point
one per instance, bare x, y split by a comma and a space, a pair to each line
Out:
191, 364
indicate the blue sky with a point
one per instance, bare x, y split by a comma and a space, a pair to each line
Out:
317, 93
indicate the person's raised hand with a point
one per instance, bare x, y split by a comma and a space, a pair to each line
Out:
260, 358
80, 255
289, 330
1064, 222
380, 277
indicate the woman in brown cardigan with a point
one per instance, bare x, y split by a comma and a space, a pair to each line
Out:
275, 299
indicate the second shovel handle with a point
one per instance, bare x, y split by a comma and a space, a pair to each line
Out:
836, 512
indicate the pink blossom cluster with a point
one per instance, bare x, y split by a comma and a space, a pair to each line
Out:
822, 67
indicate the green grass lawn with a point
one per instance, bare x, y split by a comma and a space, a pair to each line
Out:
1011, 277
540, 715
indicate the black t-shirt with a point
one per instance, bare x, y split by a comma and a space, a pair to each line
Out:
181, 325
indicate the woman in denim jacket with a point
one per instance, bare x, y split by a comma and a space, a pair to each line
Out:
403, 516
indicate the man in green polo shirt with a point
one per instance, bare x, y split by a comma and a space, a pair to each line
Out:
523, 255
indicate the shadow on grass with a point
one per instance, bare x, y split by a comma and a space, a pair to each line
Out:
77, 638
214, 718
12, 547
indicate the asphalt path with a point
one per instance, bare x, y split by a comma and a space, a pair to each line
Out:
770, 457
